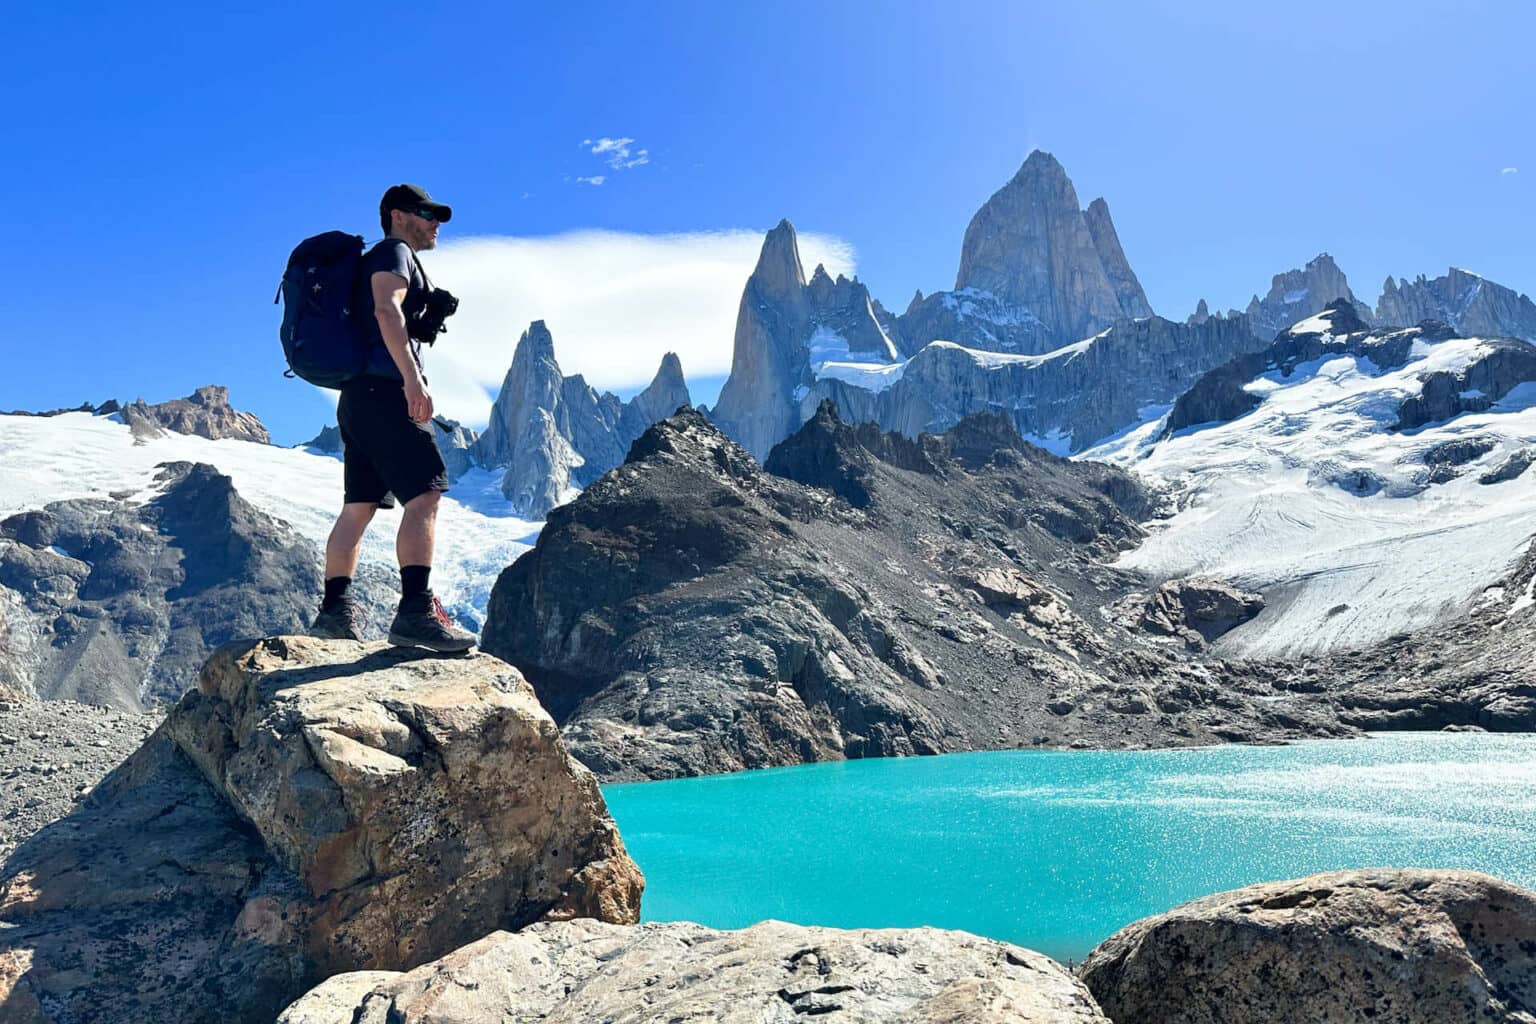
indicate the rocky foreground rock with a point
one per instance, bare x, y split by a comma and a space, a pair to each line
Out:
1398, 946
313, 807
1392, 946
771, 973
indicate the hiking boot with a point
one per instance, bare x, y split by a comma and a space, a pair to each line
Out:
343, 622
422, 622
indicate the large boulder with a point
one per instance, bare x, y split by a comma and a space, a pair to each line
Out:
1196, 610
313, 807
587, 971
1399, 946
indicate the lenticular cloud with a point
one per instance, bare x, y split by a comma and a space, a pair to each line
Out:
615, 303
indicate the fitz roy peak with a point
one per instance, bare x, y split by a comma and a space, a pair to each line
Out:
1031, 245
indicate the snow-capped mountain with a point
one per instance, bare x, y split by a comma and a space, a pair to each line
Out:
77, 455
1367, 481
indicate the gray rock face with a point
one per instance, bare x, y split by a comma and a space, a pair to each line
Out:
690, 613
1298, 294
456, 443
1133, 301
1408, 946
554, 433
1196, 610
533, 383
1032, 245
666, 393
784, 329
1473, 305
1504, 365
679, 971
205, 413
327, 442
975, 319
118, 604
1069, 398
313, 807
1510, 468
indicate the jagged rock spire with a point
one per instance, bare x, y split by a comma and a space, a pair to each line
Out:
1031, 245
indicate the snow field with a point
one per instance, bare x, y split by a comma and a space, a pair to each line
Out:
1312, 499
78, 455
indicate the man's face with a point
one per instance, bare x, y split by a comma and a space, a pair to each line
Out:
419, 231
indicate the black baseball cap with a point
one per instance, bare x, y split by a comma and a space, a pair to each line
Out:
412, 198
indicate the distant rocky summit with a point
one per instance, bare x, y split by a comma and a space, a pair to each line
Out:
691, 613
1298, 294
679, 971
552, 433
1409, 946
312, 808
206, 413
1471, 304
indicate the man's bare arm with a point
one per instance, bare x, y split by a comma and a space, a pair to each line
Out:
389, 310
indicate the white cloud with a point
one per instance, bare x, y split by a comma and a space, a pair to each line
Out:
596, 179
1510, 170
615, 304
616, 152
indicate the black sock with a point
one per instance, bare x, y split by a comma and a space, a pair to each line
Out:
335, 590
413, 580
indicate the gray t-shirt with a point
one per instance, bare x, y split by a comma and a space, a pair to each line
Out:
394, 256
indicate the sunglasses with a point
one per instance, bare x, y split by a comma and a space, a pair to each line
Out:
426, 215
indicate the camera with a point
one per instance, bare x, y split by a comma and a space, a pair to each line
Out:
428, 323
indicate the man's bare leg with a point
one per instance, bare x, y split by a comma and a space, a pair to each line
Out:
346, 539
418, 528
339, 618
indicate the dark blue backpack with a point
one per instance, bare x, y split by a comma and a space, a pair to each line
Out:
320, 336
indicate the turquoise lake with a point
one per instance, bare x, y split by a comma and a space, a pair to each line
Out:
1055, 850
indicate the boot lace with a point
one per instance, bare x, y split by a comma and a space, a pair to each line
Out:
440, 613
359, 618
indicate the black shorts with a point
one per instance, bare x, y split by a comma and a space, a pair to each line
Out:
386, 454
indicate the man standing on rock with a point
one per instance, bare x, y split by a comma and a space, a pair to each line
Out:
385, 420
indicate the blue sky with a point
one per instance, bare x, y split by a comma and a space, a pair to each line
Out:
162, 160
